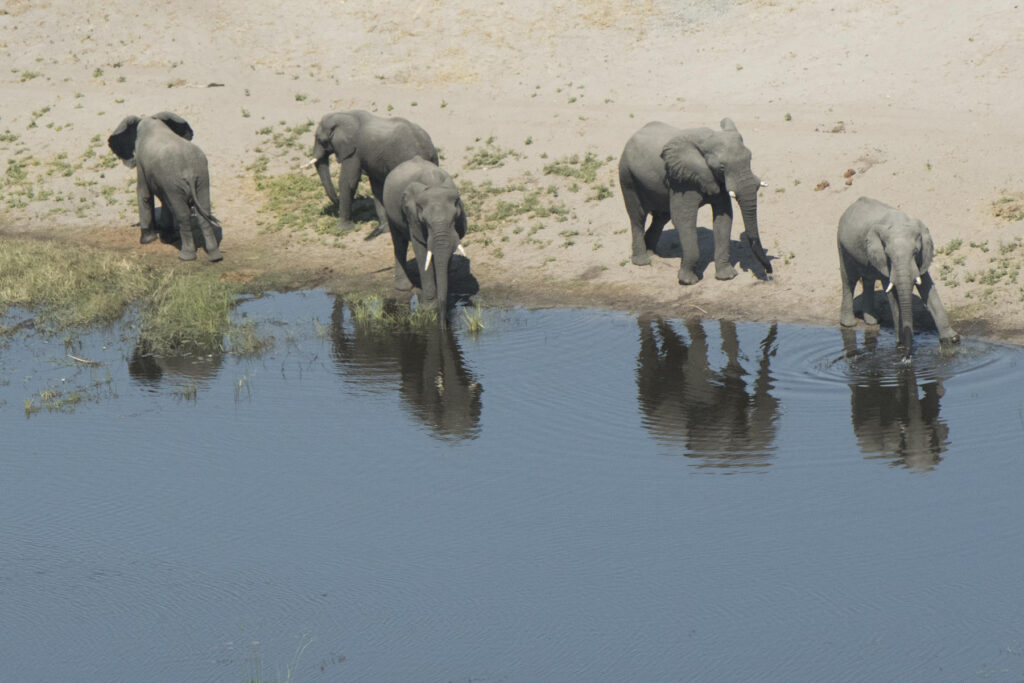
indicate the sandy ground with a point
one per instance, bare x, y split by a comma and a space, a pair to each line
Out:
922, 100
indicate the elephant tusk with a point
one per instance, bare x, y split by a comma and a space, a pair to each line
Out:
308, 163
426, 265
764, 184
732, 194
917, 281
460, 251
888, 288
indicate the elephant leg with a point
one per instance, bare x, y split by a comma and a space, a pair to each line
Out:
183, 217
637, 213
722, 211
653, 234
938, 311
382, 216
400, 243
210, 240
868, 294
848, 276
683, 207
147, 215
348, 180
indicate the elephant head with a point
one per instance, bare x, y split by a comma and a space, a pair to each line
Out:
122, 140
437, 224
336, 135
716, 162
901, 250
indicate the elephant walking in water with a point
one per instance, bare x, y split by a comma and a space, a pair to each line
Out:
670, 173
365, 143
175, 170
878, 242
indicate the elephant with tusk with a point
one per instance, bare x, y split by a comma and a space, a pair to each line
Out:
423, 207
878, 242
364, 143
668, 173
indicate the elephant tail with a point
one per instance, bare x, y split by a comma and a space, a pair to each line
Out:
193, 191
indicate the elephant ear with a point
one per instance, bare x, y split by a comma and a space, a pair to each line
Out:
122, 140
460, 218
411, 213
176, 123
875, 249
336, 133
686, 166
924, 259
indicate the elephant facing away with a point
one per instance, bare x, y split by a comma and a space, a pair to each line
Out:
364, 143
878, 242
423, 207
668, 173
173, 169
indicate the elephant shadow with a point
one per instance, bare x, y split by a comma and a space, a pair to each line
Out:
726, 416
741, 257
170, 234
434, 381
462, 284
895, 418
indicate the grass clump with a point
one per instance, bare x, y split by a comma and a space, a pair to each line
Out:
187, 312
296, 201
372, 312
574, 167
1009, 207
489, 155
69, 286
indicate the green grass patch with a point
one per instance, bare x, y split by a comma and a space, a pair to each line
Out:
1009, 207
574, 166
374, 313
296, 201
488, 155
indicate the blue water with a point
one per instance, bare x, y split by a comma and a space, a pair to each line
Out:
571, 495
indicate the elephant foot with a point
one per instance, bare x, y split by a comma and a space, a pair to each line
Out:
847, 320
643, 259
187, 255
726, 272
687, 277
378, 231
403, 285
954, 339
870, 318
215, 256
346, 226
148, 236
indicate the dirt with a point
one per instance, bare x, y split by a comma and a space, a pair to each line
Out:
915, 104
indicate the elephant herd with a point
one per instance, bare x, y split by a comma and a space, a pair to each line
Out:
664, 172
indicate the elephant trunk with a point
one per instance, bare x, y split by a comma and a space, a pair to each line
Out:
442, 256
903, 280
747, 199
322, 158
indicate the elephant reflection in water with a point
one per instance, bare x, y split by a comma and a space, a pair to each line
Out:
898, 422
150, 369
433, 378
717, 414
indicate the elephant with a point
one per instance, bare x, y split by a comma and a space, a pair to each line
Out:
423, 206
173, 169
717, 415
894, 418
365, 143
670, 173
878, 242
434, 381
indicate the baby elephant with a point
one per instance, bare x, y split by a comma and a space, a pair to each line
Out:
172, 168
423, 206
878, 242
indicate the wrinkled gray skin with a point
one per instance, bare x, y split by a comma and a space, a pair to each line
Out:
423, 207
364, 143
670, 173
173, 169
878, 242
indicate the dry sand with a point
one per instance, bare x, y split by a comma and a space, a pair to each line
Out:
923, 100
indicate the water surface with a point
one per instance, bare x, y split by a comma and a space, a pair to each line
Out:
571, 495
